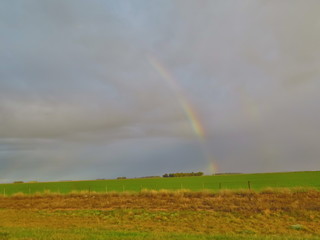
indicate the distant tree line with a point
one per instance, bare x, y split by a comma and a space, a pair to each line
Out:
150, 177
18, 182
121, 177
183, 174
226, 173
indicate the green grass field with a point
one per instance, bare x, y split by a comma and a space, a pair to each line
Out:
97, 234
238, 181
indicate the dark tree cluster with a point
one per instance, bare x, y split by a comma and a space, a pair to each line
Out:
183, 174
121, 177
150, 177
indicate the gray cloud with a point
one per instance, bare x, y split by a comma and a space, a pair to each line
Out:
76, 84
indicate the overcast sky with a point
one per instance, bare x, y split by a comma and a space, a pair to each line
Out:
79, 98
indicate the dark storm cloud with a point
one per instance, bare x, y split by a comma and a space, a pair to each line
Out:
76, 84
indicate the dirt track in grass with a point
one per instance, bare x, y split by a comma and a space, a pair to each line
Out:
244, 202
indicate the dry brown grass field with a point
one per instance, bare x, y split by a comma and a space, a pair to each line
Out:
282, 213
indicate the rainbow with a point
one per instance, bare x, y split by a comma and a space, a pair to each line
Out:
187, 107
183, 100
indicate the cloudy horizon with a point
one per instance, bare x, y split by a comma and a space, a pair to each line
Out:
80, 99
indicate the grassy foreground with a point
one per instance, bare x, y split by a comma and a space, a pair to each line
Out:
96, 234
269, 214
238, 181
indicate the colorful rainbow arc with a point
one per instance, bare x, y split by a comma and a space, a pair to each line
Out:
187, 108
185, 104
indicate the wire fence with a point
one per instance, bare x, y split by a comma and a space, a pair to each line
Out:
125, 186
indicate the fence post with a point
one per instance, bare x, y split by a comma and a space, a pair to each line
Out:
249, 185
